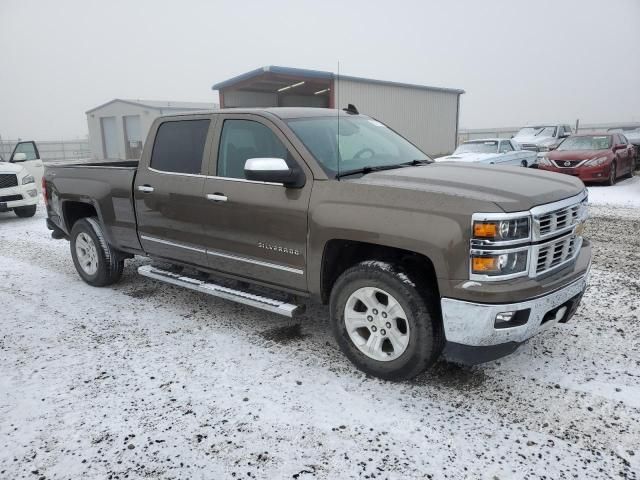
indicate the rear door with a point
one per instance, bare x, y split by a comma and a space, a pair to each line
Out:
168, 189
29, 158
254, 229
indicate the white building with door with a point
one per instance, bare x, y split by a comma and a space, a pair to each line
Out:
118, 128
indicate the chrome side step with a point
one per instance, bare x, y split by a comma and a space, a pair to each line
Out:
263, 303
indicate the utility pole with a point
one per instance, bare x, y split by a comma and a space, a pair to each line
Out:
577, 124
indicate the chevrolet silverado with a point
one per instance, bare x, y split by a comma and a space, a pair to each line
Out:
278, 207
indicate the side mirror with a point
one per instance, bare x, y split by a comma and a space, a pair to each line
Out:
19, 157
272, 170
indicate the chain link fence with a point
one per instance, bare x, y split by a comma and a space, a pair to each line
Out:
53, 151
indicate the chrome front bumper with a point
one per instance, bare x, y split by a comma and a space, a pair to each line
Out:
473, 324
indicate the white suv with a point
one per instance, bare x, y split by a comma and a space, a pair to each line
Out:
20, 178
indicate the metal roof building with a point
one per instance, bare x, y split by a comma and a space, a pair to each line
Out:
118, 128
428, 116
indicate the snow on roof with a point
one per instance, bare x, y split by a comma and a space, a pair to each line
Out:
160, 104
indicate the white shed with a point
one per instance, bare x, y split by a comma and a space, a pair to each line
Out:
428, 116
118, 128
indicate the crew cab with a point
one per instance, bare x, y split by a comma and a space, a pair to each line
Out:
278, 207
492, 151
20, 178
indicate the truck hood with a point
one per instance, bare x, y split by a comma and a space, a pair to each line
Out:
512, 189
468, 157
6, 167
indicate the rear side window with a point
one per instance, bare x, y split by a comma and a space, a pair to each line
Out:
179, 146
245, 139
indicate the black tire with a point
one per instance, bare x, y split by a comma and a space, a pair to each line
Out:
109, 263
25, 212
611, 181
524, 164
426, 337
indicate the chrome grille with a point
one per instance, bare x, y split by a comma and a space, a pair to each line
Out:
558, 221
554, 254
529, 146
8, 180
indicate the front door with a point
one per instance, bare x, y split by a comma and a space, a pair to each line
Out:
254, 229
168, 191
29, 158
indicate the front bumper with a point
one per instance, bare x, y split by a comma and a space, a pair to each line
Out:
598, 173
20, 196
470, 330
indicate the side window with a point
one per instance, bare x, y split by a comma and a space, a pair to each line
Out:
505, 146
623, 139
567, 129
179, 146
244, 139
29, 149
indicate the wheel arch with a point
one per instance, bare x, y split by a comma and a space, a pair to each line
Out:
341, 254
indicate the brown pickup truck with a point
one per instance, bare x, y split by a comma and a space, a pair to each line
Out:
278, 207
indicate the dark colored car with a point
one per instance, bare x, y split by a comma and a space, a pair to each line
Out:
593, 157
275, 208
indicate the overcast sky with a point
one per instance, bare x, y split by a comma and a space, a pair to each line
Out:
519, 62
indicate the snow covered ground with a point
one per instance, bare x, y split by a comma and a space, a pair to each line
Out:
625, 193
144, 380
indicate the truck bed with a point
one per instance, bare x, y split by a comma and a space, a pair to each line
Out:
105, 186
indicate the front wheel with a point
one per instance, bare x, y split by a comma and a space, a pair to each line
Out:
524, 164
611, 181
96, 262
25, 212
383, 323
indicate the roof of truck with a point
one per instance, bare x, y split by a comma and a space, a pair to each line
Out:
280, 112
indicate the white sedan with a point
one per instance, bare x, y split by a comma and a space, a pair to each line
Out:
499, 151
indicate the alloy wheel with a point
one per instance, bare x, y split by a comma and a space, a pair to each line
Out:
376, 324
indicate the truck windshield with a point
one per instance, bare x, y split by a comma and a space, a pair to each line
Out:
586, 142
478, 147
353, 143
540, 131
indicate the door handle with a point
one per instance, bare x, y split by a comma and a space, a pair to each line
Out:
216, 197
145, 188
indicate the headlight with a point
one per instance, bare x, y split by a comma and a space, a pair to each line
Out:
594, 162
502, 230
545, 161
543, 148
28, 179
502, 264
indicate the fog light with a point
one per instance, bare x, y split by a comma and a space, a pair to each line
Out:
504, 317
32, 193
512, 319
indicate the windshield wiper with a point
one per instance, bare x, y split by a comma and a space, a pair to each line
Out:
379, 168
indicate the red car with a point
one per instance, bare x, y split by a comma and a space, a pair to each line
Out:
592, 157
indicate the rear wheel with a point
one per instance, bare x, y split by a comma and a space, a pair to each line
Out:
25, 212
96, 262
523, 163
383, 323
612, 174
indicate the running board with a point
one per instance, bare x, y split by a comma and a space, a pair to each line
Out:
263, 303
